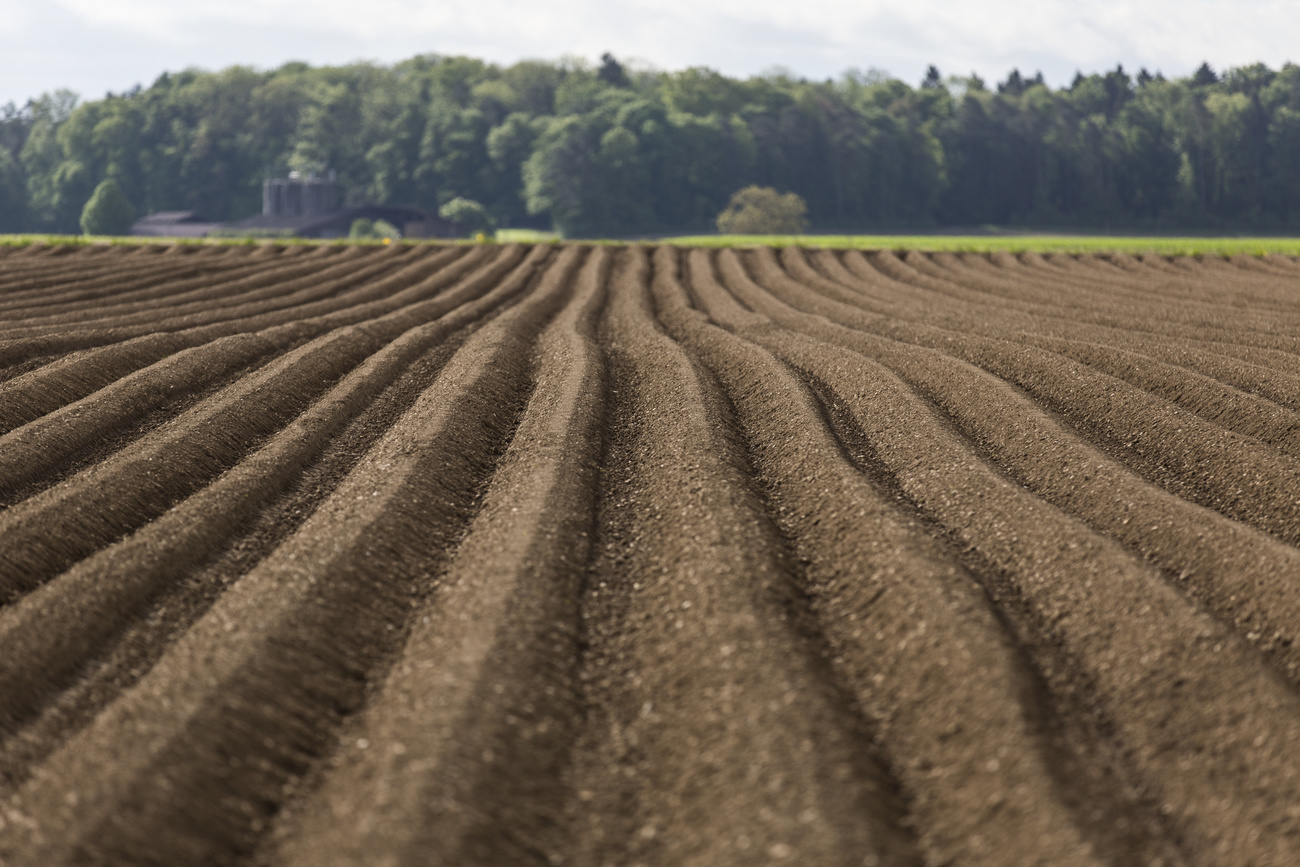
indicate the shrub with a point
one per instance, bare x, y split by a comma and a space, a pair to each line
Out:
363, 229
108, 211
469, 215
763, 211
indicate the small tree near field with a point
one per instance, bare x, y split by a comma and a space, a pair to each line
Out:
763, 211
363, 229
108, 212
472, 217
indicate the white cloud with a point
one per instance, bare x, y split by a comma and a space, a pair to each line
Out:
98, 45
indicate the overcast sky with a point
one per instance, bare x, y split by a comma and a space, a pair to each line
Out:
94, 46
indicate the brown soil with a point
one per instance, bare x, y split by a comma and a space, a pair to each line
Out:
647, 556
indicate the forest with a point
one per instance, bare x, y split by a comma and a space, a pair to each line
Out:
610, 149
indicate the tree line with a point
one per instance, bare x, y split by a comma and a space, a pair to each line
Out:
610, 150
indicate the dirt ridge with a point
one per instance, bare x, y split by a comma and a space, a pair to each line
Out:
636, 555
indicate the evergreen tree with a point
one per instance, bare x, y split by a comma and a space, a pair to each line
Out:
1204, 76
612, 73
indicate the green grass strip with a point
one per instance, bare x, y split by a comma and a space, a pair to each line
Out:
1072, 244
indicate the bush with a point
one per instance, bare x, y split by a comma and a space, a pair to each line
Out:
763, 211
108, 212
372, 230
469, 215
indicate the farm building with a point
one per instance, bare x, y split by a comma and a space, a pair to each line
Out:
173, 224
303, 208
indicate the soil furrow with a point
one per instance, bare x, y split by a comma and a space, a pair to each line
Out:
164, 577
221, 302
912, 634
17, 350
910, 287
161, 283
714, 736
467, 554
1130, 636
270, 671
67, 380
1269, 373
49, 532
1247, 578
1238, 476
479, 748
104, 591
1182, 384
158, 280
20, 270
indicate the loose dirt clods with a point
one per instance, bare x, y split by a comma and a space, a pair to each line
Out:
626, 555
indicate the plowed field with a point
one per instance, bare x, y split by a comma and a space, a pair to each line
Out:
570, 555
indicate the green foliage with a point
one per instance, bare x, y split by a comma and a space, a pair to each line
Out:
363, 229
108, 212
608, 151
472, 218
763, 211
13, 193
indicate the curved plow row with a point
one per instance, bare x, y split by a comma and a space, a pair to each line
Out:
568, 555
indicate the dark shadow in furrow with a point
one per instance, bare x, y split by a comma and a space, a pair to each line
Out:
1122, 819
73, 697
794, 599
521, 796
604, 607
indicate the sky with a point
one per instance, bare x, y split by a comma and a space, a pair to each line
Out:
97, 46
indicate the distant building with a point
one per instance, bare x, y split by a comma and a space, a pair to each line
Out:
411, 221
173, 224
301, 208
296, 196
